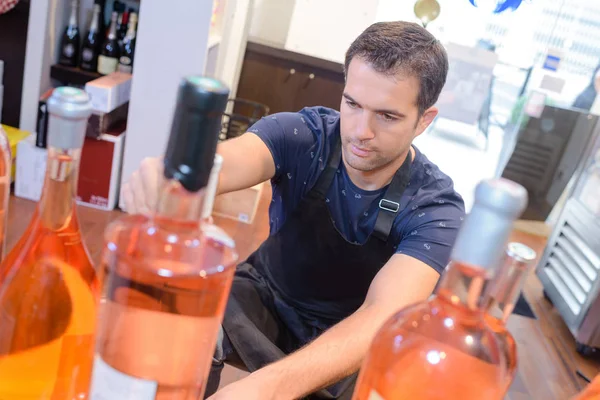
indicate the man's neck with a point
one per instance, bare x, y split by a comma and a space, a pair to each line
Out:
376, 179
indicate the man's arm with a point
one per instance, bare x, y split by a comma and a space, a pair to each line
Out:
247, 161
339, 351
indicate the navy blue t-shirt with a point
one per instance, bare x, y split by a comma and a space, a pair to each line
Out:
431, 210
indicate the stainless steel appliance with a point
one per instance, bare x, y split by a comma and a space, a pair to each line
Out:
570, 266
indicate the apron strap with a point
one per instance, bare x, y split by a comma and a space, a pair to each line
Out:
326, 177
389, 205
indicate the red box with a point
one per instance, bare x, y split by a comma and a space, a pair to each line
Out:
100, 171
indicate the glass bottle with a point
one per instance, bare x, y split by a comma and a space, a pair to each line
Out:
591, 391
109, 54
128, 47
48, 286
69, 45
442, 348
166, 277
501, 297
91, 42
5, 179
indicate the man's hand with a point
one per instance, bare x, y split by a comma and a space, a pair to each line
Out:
249, 388
339, 351
140, 192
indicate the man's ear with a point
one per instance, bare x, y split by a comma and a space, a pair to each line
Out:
426, 119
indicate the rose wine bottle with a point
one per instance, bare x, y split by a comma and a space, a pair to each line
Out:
5, 178
166, 277
500, 300
48, 286
442, 348
591, 391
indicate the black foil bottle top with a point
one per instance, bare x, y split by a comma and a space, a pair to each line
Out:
190, 154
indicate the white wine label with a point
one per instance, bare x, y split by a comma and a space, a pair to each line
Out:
107, 65
375, 396
110, 384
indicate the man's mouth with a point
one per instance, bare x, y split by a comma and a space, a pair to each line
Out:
359, 151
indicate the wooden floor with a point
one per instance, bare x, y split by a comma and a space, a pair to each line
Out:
548, 362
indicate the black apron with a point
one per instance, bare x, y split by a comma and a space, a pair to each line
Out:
307, 277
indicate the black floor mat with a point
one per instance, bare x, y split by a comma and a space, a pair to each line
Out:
523, 308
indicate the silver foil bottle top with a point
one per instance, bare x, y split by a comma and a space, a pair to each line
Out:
69, 110
483, 236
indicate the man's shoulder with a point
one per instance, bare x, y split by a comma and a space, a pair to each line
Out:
321, 120
434, 186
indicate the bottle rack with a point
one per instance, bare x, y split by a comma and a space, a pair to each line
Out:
72, 76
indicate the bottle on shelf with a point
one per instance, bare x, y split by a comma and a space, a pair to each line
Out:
109, 54
442, 348
69, 45
501, 297
128, 47
166, 277
103, 26
5, 179
122, 26
91, 43
48, 285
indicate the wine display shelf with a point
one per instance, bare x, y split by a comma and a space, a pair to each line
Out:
72, 75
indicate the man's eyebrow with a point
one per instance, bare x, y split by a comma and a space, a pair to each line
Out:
383, 111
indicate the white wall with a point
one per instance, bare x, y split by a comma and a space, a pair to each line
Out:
334, 24
171, 43
236, 23
271, 21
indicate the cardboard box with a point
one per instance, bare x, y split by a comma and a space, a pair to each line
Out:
100, 122
110, 91
100, 170
240, 205
30, 169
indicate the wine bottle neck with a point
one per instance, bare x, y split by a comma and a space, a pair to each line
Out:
464, 285
176, 205
131, 30
112, 33
502, 294
74, 15
60, 187
95, 20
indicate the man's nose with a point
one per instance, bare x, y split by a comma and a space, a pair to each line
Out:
365, 129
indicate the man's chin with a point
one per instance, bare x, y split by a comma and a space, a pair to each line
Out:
360, 164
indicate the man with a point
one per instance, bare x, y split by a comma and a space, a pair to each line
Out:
362, 223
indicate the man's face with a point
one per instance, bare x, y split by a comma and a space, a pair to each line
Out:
379, 117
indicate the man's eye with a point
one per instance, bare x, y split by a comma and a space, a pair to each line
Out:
351, 104
388, 117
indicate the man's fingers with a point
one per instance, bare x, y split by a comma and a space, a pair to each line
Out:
151, 176
127, 196
139, 195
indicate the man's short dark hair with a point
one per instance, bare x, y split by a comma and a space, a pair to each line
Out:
405, 48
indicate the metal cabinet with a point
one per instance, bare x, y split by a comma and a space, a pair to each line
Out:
570, 266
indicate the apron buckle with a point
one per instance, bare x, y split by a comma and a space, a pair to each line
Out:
389, 205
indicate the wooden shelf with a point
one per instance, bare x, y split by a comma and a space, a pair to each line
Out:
72, 75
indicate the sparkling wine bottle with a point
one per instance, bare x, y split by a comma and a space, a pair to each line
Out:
48, 286
500, 300
166, 277
69, 46
5, 178
442, 348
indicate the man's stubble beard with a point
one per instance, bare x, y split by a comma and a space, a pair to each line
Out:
366, 165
